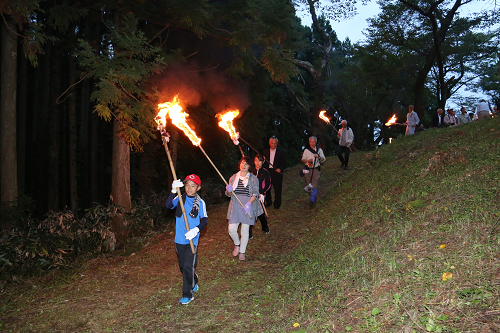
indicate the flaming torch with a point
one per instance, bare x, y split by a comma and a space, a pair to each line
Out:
226, 122
174, 111
392, 121
326, 119
161, 123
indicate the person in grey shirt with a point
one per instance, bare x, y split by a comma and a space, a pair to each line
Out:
464, 117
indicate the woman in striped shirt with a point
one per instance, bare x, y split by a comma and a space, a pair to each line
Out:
245, 186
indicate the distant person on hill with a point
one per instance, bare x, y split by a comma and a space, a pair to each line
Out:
346, 139
437, 119
313, 156
246, 186
449, 118
264, 186
483, 110
412, 121
464, 117
275, 163
196, 211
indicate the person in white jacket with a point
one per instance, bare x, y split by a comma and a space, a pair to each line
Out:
346, 138
313, 157
412, 121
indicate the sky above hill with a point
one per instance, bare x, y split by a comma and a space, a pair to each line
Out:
353, 29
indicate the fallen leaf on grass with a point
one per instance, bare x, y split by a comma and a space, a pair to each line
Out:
447, 276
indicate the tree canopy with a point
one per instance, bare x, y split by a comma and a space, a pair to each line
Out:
92, 73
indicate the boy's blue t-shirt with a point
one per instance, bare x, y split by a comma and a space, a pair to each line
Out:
180, 225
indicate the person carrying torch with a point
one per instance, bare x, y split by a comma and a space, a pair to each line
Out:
197, 219
313, 156
346, 138
243, 186
412, 121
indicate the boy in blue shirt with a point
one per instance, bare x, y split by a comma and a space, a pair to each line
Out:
197, 219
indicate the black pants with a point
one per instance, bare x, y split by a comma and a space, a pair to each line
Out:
346, 151
187, 265
263, 221
276, 183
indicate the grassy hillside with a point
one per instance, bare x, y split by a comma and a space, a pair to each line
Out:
405, 241
409, 241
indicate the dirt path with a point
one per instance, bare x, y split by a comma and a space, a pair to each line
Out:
140, 292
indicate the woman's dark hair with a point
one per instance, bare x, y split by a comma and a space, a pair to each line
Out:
249, 162
259, 157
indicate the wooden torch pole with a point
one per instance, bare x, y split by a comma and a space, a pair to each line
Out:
232, 192
164, 140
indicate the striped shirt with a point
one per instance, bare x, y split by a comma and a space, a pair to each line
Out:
241, 190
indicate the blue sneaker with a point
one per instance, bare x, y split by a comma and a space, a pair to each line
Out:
186, 300
195, 288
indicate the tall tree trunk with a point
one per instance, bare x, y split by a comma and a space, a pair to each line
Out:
120, 168
84, 141
120, 187
54, 131
439, 35
419, 86
40, 142
73, 183
317, 71
8, 86
93, 160
22, 124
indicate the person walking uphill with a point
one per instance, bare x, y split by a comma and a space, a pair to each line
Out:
197, 219
275, 163
314, 157
246, 186
346, 138
264, 186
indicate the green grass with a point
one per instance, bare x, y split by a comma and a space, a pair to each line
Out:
407, 240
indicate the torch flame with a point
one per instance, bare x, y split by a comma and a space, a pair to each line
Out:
391, 121
174, 112
325, 118
226, 122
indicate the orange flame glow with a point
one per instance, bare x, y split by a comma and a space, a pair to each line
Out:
391, 121
226, 122
325, 118
174, 112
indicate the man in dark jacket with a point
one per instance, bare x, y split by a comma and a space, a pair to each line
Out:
275, 164
438, 119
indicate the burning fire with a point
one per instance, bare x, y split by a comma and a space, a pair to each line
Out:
174, 112
226, 122
391, 121
325, 118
